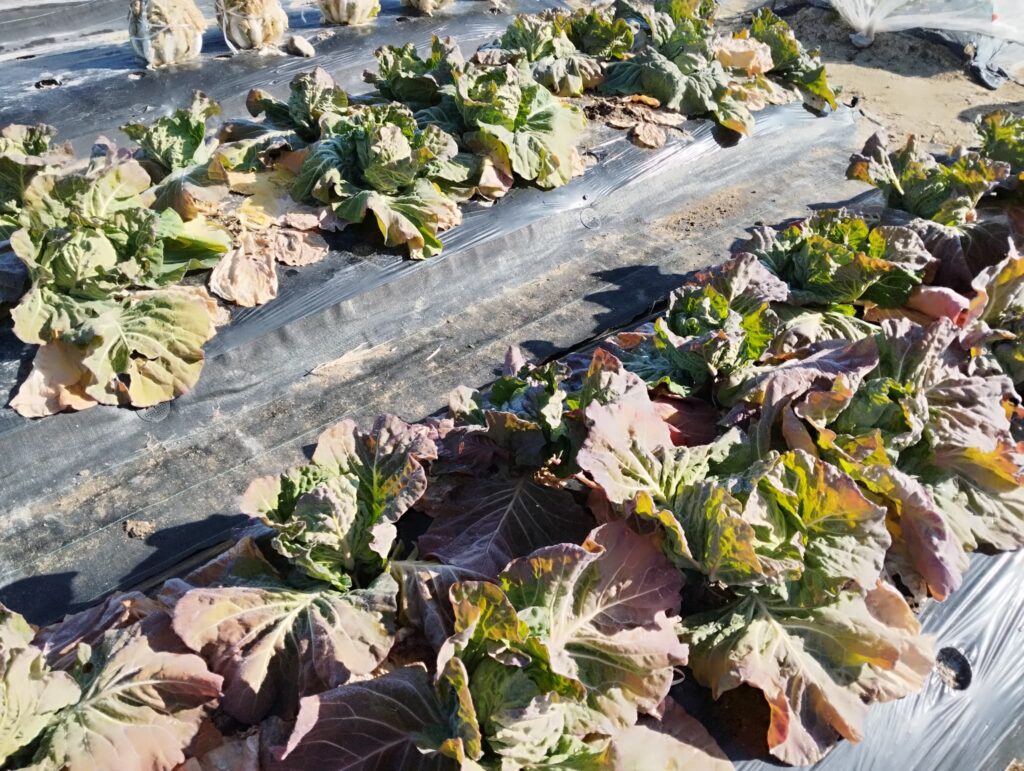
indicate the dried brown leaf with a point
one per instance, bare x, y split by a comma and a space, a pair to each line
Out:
648, 135
293, 247
56, 383
246, 275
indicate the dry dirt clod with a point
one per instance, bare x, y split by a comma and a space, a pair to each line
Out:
296, 45
138, 528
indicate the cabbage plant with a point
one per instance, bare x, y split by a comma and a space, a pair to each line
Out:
165, 32
251, 24
351, 12
428, 6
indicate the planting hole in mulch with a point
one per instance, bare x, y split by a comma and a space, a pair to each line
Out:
953, 668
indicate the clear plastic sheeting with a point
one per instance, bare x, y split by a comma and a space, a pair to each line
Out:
1003, 19
968, 717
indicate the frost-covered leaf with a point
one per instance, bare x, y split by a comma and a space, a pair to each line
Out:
819, 666
139, 708
484, 523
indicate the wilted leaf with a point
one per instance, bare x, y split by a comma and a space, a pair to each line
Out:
294, 247
56, 382
246, 275
155, 338
648, 135
677, 742
747, 54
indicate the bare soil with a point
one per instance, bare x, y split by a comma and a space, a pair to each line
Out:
902, 83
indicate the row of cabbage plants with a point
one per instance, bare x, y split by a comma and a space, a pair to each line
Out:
755, 489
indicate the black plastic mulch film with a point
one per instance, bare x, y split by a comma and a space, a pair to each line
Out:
968, 719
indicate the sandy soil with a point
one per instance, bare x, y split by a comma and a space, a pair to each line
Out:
904, 83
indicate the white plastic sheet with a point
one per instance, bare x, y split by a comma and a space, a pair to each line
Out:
999, 18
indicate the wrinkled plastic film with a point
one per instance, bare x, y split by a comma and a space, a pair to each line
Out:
326, 310
104, 86
1002, 19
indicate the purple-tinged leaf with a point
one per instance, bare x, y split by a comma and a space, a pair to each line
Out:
677, 742
59, 641
926, 553
391, 722
629, 451
138, 710
818, 666
424, 596
604, 611
274, 643
824, 381
484, 523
